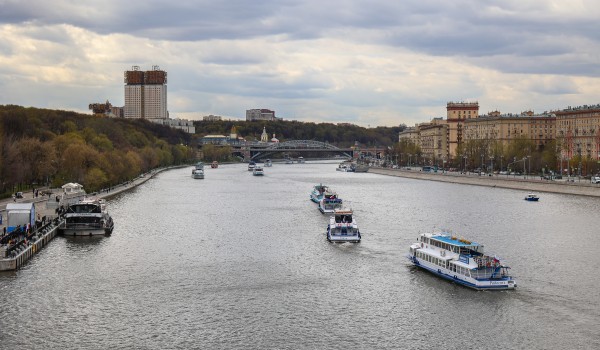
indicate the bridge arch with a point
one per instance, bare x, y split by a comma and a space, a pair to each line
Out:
298, 146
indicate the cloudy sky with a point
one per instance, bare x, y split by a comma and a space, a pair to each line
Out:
369, 62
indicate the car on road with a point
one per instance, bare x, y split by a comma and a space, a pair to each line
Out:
19, 195
595, 179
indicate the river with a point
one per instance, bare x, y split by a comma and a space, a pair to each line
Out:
237, 261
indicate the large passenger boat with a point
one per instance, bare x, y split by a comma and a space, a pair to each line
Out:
460, 261
330, 203
343, 227
87, 217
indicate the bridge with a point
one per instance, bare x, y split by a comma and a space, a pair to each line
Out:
258, 151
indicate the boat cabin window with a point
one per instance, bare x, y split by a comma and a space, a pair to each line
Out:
343, 218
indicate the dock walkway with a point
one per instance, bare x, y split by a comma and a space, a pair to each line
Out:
14, 255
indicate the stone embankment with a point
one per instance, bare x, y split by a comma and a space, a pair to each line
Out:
578, 187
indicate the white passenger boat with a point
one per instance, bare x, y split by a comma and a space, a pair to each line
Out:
301, 160
87, 217
343, 227
198, 174
345, 166
330, 203
268, 163
251, 165
258, 171
319, 192
460, 261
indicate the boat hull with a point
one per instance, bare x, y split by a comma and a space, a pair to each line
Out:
488, 284
85, 232
343, 238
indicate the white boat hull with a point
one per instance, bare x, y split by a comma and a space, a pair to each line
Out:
487, 284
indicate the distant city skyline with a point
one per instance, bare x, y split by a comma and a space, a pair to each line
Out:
374, 63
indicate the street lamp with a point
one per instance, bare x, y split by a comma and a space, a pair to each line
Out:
492, 161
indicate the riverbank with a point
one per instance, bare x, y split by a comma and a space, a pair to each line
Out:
581, 188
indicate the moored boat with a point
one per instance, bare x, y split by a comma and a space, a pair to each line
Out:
87, 217
301, 160
345, 166
460, 261
330, 203
199, 166
343, 227
214, 164
531, 197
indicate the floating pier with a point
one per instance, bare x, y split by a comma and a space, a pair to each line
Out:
13, 257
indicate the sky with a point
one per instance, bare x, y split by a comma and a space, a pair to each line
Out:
367, 62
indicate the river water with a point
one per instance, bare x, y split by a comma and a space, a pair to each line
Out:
236, 261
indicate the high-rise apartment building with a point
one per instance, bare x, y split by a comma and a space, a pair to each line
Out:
146, 94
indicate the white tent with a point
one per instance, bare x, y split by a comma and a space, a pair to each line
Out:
19, 214
72, 187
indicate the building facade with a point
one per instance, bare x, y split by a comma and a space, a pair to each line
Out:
578, 132
212, 118
260, 114
456, 115
434, 140
503, 128
181, 124
146, 94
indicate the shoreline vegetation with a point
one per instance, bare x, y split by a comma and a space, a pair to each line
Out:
531, 184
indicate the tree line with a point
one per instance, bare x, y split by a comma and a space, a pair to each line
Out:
341, 135
53, 147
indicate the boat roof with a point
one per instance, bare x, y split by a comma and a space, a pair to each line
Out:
343, 212
459, 242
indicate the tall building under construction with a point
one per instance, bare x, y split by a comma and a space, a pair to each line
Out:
146, 93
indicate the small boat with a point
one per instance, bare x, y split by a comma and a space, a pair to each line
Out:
532, 197
318, 192
343, 227
258, 171
87, 217
199, 166
214, 164
268, 163
289, 161
251, 165
300, 160
345, 166
460, 261
198, 174
330, 203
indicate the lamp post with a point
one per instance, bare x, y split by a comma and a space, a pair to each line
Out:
492, 165
501, 162
465, 165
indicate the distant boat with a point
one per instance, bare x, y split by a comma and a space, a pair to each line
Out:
199, 166
532, 197
198, 174
214, 164
330, 203
268, 163
251, 165
258, 171
300, 160
319, 192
